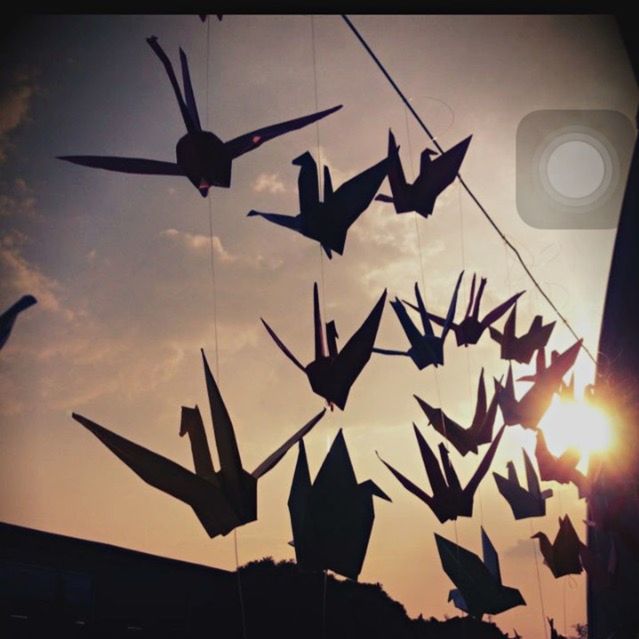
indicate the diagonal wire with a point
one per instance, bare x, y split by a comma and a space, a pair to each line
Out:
492, 222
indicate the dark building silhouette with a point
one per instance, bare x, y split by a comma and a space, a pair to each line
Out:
53, 585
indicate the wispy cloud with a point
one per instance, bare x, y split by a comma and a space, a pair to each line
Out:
17, 201
198, 243
270, 182
20, 276
15, 104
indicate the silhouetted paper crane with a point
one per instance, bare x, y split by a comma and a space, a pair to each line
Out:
8, 318
529, 410
201, 156
328, 221
562, 556
426, 348
332, 372
471, 328
465, 439
222, 500
449, 500
434, 176
479, 587
562, 469
523, 502
521, 348
332, 518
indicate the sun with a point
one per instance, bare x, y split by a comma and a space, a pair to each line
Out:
579, 424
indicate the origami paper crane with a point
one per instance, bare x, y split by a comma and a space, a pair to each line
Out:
449, 500
328, 221
479, 587
465, 439
332, 518
529, 410
562, 556
562, 469
8, 318
425, 348
201, 156
471, 328
223, 499
332, 372
524, 503
434, 176
521, 348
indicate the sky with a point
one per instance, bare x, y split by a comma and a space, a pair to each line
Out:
120, 265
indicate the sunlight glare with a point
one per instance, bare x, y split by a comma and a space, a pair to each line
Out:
576, 424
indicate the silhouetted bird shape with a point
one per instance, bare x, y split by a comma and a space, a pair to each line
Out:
332, 518
562, 556
479, 587
201, 156
449, 500
523, 502
8, 318
529, 410
328, 221
480, 430
434, 176
425, 348
223, 499
333, 372
521, 348
471, 328
562, 469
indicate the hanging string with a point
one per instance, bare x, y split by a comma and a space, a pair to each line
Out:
214, 301
485, 213
541, 595
319, 162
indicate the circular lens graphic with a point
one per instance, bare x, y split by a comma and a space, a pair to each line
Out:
577, 167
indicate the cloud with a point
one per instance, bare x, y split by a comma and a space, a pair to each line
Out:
17, 201
198, 243
21, 277
15, 103
268, 182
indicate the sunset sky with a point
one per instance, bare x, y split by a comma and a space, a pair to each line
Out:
120, 267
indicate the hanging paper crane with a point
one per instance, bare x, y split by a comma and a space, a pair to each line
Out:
8, 318
332, 517
328, 221
523, 502
562, 556
521, 348
426, 348
449, 500
471, 328
201, 156
222, 500
332, 372
529, 410
434, 176
465, 439
562, 469
479, 587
